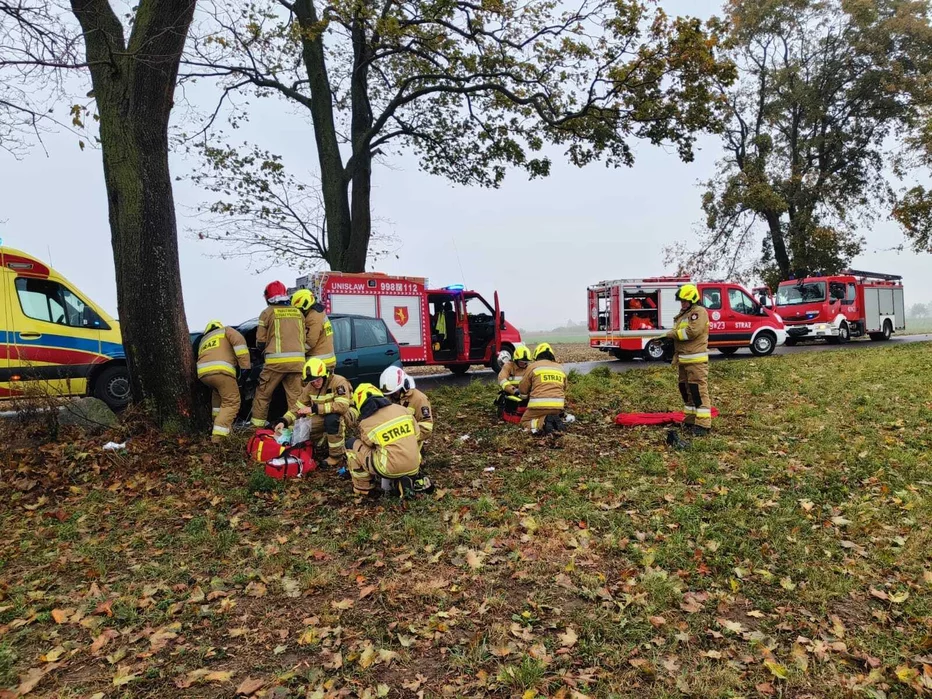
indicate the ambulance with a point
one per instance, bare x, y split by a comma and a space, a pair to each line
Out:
53, 339
628, 316
450, 326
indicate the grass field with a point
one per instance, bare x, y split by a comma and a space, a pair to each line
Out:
789, 555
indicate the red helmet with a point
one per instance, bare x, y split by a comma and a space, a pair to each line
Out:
275, 289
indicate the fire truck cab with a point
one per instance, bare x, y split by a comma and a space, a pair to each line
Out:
628, 316
450, 326
838, 307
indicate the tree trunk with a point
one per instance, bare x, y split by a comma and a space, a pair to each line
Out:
779, 245
134, 87
357, 246
333, 180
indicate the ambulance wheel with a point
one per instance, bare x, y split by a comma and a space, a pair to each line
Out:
654, 351
496, 365
765, 343
113, 387
458, 369
728, 351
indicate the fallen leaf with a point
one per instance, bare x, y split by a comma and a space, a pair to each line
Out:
387, 656
656, 621
342, 604
367, 657
777, 670
32, 677
474, 559
733, 626
256, 589
53, 655
62, 615
249, 687
124, 676
840, 521
105, 637
291, 587
569, 637
367, 590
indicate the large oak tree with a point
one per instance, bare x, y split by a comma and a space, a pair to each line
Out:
472, 88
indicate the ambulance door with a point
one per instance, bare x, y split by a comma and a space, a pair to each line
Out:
56, 336
713, 299
6, 334
499, 322
741, 316
463, 344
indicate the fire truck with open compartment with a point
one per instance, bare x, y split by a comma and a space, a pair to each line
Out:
450, 326
628, 316
838, 307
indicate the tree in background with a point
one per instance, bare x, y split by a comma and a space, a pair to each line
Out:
133, 81
831, 93
920, 310
470, 88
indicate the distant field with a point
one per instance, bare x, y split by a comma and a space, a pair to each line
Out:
535, 337
918, 326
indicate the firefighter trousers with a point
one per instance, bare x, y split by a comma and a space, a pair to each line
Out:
694, 387
533, 418
329, 430
224, 402
366, 477
268, 382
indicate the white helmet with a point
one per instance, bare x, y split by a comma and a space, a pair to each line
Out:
395, 379
504, 357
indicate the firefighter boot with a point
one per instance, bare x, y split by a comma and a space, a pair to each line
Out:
423, 484
674, 440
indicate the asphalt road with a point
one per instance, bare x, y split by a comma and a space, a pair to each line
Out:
618, 366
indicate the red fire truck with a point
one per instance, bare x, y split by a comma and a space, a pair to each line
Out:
451, 326
627, 316
839, 307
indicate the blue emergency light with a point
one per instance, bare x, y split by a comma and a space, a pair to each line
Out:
454, 287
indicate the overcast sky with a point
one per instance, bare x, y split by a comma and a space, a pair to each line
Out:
539, 243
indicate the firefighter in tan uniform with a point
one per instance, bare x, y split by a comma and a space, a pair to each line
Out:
319, 330
387, 450
509, 379
400, 388
325, 401
220, 352
280, 336
544, 384
690, 335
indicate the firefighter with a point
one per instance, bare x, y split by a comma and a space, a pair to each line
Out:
325, 401
690, 335
220, 351
386, 452
281, 338
544, 383
509, 378
319, 330
400, 388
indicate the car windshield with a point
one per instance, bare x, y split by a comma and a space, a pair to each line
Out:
795, 294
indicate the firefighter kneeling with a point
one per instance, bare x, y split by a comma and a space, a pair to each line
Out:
325, 402
399, 388
386, 452
544, 384
690, 335
511, 405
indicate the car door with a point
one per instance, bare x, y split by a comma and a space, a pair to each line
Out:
740, 316
347, 357
375, 349
56, 336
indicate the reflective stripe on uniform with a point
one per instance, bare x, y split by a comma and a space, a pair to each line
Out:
325, 357
682, 334
509, 382
256, 422
545, 403
221, 431
215, 411
284, 357
209, 367
426, 426
703, 412
696, 358
689, 410
240, 350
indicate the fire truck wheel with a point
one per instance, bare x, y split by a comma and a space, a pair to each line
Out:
458, 369
654, 351
885, 334
843, 335
765, 343
728, 351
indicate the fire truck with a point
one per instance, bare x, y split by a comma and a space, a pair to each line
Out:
839, 307
628, 316
450, 326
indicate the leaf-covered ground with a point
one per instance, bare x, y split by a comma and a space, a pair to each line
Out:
788, 555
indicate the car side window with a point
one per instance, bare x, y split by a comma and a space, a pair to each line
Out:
370, 332
740, 302
51, 302
837, 291
851, 296
712, 299
342, 334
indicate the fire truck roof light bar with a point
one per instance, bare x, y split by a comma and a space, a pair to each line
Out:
875, 275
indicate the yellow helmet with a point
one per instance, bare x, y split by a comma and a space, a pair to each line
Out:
522, 353
314, 368
542, 348
364, 392
213, 325
688, 292
303, 299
